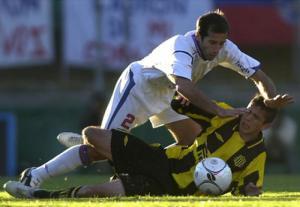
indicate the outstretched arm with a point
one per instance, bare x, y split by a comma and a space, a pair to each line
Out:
264, 84
267, 89
190, 92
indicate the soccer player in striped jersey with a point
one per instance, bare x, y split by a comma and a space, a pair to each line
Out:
144, 169
146, 87
237, 140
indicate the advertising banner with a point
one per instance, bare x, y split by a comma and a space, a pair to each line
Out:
26, 32
116, 32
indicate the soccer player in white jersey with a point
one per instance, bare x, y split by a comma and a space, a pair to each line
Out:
146, 87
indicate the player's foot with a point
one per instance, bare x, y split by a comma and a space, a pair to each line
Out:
18, 189
66, 193
28, 179
69, 139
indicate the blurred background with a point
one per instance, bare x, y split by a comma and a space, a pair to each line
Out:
59, 61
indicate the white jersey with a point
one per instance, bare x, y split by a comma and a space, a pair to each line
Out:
144, 90
181, 56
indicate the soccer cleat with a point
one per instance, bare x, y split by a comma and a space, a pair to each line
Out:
69, 139
27, 179
18, 189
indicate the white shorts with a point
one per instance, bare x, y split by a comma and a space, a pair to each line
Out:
135, 100
165, 117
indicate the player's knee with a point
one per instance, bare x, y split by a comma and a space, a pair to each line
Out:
89, 134
93, 155
93, 134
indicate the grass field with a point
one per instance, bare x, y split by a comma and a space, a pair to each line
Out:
280, 190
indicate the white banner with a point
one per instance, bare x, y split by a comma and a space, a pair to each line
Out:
26, 34
126, 29
79, 32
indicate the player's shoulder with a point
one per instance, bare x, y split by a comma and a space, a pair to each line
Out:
181, 40
230, 46
184, 43
177, 42
230, 49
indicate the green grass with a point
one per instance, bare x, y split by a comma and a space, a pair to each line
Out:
280, 190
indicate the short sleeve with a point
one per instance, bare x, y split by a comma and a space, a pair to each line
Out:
238, 61
179, 62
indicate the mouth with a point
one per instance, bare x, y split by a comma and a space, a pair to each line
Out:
212, 56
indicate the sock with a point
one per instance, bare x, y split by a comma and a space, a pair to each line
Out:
65, 162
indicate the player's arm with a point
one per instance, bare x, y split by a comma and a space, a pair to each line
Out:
189, 91
200, 116
267, 89
250, 68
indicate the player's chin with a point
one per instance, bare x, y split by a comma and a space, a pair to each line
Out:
211, 57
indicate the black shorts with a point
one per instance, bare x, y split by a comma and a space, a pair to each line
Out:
142, 168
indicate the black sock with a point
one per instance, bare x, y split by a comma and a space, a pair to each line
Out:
65, 193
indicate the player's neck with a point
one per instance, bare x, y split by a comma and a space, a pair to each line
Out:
248, 137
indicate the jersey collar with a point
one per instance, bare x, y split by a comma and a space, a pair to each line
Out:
255, 142
198, 46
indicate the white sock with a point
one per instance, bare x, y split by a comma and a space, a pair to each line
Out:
65, 162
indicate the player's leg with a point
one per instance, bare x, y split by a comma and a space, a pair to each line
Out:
108, 189
124, 185
67, 161
99, 139
124, 111
183, 129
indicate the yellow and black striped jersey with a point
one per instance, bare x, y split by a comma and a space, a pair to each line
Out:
220, 138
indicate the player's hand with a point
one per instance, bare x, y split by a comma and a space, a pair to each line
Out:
252, 190
279, 101
183, 101
231, 112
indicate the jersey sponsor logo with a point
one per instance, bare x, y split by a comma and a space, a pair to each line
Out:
243, 69
239, 161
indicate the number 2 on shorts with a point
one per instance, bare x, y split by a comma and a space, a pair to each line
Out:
127, 121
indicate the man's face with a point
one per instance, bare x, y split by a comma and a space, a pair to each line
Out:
211, 44
253, 121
